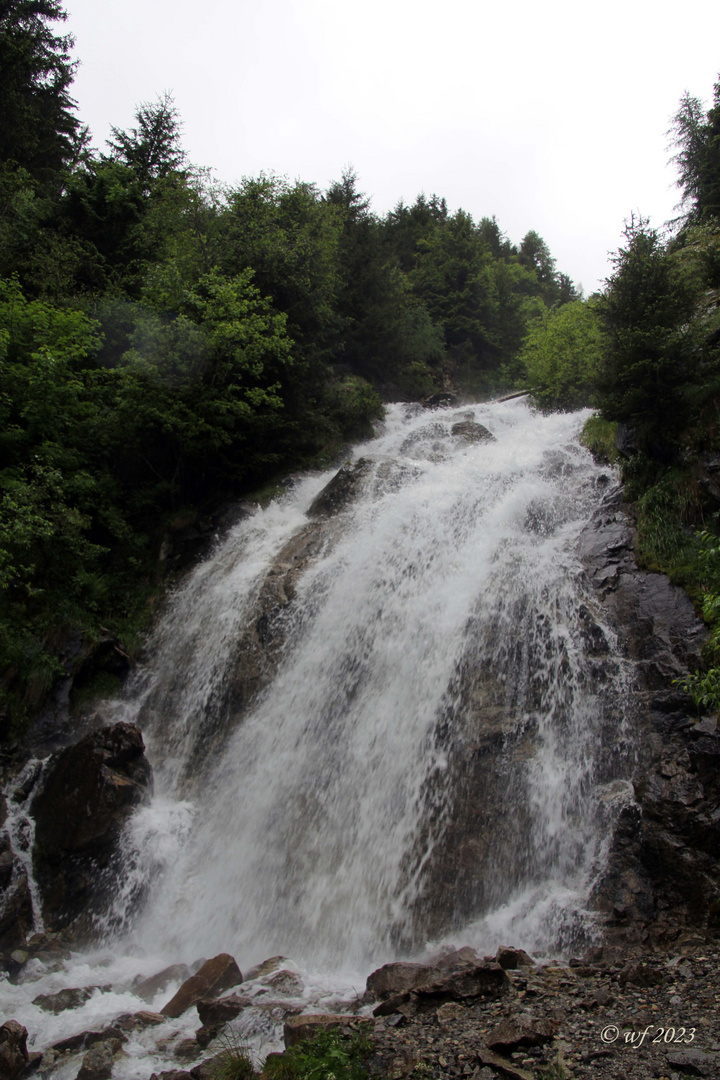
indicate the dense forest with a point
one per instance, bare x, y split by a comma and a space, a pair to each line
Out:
167, 342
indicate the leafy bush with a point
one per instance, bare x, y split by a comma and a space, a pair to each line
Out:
561, 355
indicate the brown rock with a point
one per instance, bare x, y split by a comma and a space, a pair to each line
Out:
98, 1062
205, 1034
643, 975
299, 1028
512, 959
392, 1004
86, 1039
479, 980
458, 957
142, 1019
72, 997
519, 1031
148, 988
214, 976
172, 1074
450, 1012
267, 966
399, 977
187, 1048
502, 1066
217, 1012
13, 1049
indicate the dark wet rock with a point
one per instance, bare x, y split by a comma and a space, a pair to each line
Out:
88, 794
299, 1028
86, 1039
139, 1020
639, 974
205, 1034
16, 911
454, 958
479, 980
440, 400
512, 959
187, 1049
398, 977
393, 1004
502, 1067
216, 975
221, 1010
341, 490
515, 1032
69, 998
207, 1069
148, 988
13, 1049
472, 432
663, 868
172, 1074
97, 1064
694, 1062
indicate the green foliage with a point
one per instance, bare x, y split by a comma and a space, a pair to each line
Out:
39, 132
165, 342
599, 436
151, 150
704, 686
329, 1055
649, 354
666, 541
561, 356
696, 137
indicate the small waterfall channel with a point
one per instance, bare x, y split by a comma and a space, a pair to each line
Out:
398, 724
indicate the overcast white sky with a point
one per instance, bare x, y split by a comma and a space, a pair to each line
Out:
550, 116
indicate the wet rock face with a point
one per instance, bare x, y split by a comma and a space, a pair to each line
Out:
472, 432
89, 792
341, 490
664, 864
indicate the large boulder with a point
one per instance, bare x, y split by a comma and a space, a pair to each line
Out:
341, 490
220, 973
89, 792
399, 977
472, 432
13, 1049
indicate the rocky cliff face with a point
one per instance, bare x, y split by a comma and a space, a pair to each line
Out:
74, 809
663, 872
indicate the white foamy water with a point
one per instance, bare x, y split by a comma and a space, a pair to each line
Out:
447, 594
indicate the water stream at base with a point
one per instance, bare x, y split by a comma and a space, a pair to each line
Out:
444, 613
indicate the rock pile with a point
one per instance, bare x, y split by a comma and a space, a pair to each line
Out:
633, 1015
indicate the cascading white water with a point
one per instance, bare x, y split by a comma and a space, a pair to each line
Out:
446, 594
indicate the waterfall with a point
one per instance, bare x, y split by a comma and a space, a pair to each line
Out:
432, 733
